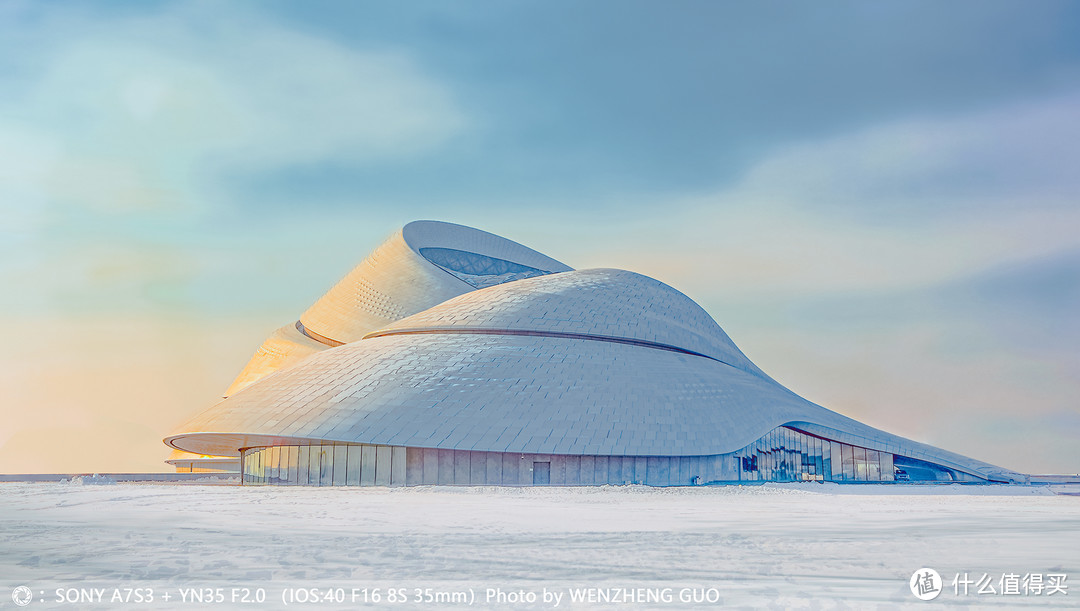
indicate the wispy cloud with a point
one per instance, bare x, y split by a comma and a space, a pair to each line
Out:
904, 204
160, 110
123, 139
919, 170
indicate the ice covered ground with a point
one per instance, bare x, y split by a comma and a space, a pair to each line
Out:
779, 546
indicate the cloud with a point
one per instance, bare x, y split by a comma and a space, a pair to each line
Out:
1014, 156
903, 205
126, 139
160, 111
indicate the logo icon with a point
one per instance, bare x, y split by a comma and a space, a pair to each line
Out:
925, 584
22, 596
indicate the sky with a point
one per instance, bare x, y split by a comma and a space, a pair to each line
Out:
879, 202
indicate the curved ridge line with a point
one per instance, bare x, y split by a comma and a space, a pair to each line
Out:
559, 334
333, 343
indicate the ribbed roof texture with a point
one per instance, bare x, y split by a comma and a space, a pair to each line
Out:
392, 282
599, 361
593, 303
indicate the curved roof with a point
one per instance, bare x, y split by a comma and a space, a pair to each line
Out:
398, 280
423, 264
285, 346
598, 304
602, 362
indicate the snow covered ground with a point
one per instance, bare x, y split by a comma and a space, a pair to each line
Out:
779, 546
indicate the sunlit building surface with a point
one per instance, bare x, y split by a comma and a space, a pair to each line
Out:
452, 356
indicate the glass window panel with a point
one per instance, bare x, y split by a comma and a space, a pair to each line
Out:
302, 459
340, 452
282, 461
780, 462
887, 468
809, 457
784, 461
836, 456
768, 459
399, 459
783, 457
254, 465
787, 462
767, 470
848, 457
326, 465
267, 454
291, 465
352, 468
826, 460
797, 461
759, 456
261, 464
383, 467
799, 456
787, 467
283, 466
790, 467
275, 463
791, 458
367, 466
820, 469
781, 468
264, 460
787, 458
873, 468
314, 473
759, 462
273, 458
776, 464
796, 455
860, 464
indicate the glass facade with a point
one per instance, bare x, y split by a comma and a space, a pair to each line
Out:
782, 455
789, 455
325, 465
478, 270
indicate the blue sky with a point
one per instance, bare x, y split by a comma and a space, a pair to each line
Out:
879, 202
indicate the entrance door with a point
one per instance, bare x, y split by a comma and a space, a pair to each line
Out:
541, 473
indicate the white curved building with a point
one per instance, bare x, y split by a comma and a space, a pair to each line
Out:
423, 264
486, 363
